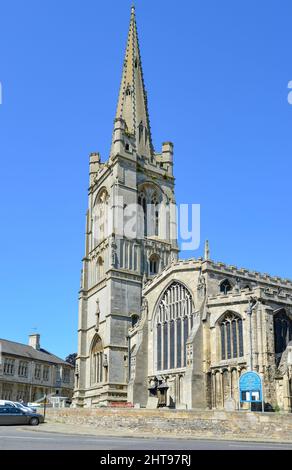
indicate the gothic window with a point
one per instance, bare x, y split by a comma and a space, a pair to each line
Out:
143, 203
128, 91
100, 217
100, 268
178, 339
159, 365
172, 326
231, 336
149, 199
225, 286
154, 264
96, 358
282, 331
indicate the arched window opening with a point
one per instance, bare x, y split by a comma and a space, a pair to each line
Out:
173, 325
100, 217
143, 203
96, 358
155, 215
282, 333
149, 198
154, 265
231, 336
100, 268
225, 286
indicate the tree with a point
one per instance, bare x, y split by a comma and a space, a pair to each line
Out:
71, 359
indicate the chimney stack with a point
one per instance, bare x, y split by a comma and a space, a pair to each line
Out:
34, 341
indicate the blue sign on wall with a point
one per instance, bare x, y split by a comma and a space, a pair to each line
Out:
250, 387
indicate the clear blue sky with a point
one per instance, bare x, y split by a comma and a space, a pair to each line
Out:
217, 76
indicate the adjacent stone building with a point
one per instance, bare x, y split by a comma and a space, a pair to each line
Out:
155, 330
28, 372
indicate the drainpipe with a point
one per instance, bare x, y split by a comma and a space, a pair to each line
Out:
129, 358
252, 304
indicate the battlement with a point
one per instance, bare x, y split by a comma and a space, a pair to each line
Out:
252, 275
276, 295
235, 271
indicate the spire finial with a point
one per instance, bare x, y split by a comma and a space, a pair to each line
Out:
132, 103
207, 250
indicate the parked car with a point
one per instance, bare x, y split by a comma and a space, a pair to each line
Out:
18, 405
14, 415
24, 407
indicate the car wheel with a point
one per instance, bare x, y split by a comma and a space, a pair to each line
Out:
34, 421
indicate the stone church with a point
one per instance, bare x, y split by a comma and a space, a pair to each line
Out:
155, 330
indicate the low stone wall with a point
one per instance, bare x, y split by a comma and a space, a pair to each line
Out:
207, 424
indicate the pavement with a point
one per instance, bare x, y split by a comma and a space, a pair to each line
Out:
57, 437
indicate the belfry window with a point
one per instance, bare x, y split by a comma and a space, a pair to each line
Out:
225, 286
100, 268
231, 336
142, 202
100, 217
155, 214
149, 200
173, 325
154, 265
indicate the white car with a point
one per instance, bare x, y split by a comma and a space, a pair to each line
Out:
16, 404
23, 407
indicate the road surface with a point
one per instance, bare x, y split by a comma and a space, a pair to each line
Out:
24, 438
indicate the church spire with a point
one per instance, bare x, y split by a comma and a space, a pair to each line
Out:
132, 103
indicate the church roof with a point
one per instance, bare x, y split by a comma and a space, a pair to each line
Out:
28, 352
132, 103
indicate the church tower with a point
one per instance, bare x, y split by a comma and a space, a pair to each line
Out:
131, 235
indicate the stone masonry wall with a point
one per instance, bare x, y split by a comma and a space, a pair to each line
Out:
208, 424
